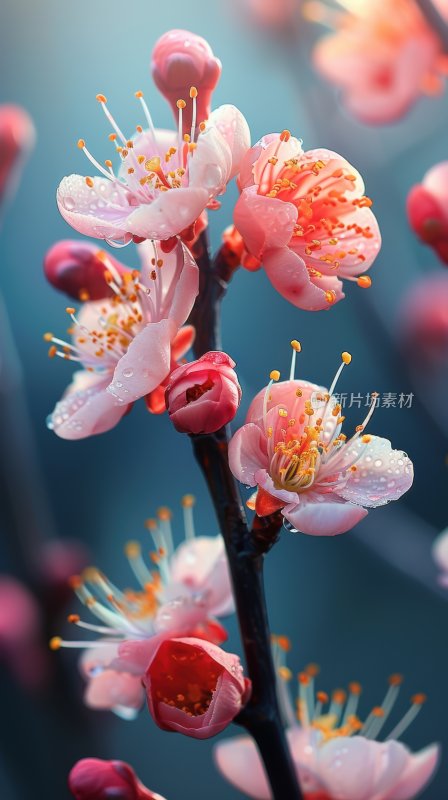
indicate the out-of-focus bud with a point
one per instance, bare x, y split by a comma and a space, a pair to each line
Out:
423, 320
427, 206
273, 16
58, 560
95, 779
16, 139
203, 395
81, 269
193, 687
21, 633
182, 60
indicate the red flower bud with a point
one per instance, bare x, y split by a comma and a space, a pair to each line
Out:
193, 687
203, 395
427, 207
95, 779
182, 61
16, 139
81, 269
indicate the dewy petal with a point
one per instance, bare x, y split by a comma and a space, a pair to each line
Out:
201, 565
264, 480
392, 759
247, 453
321, 518
110, 689
101, 211
86, 411
239, 761
145, 364
419, 770
288, 274
168, 215
179, 280
210, 164
233, 126
263, 222
347, 767
382, 474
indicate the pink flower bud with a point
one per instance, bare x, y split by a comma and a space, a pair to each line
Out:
423, 320
427, 207
203, 395
20, 633
182, 60
95, 779
194, 687
80, 269
16, 139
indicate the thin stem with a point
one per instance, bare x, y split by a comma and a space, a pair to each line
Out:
245, 549
435, 21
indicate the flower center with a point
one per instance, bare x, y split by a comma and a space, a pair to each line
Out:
185, 677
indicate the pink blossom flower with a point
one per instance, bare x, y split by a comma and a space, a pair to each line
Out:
21, 628
423, 321
95, 779
336, 756
164, 182
292, 449
305, 216
181, 59
127, 344
180, 596
193, 687
203, 395
77, 268
440, 555
273, 16
383, 56
16, 140
427, 206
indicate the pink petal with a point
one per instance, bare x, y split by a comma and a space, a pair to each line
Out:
145, 364
440, 550
211, 163
323, 518
263, 222
247, 453
289, 276
420, 769
347, 767
95, 659
181, 615
86, 411
392, 759
80, 206
436, 183
169, 214
265, 481
382, 474
239, 762
110, 689
201, 565
233, 127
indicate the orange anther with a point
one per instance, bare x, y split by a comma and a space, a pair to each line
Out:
284, 643
396, 679
181, 104
285, 135
355, 687
364, 282
81, 144
322, 697
193, 92
378, 711
89, 182
303, 678
101, 98
55, 643
339, 696
73, 618
139, 95
418, 699
312, 670
52, 351
164, 513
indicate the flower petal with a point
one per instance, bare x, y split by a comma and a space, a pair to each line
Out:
233, 127
210, 164
247, 453
100, 211
382, 474
169, 214
145, 364
86, 411
420, 769
110, 689
239, 761
289, 276
323, 518
201, 565
347, 767
263, 222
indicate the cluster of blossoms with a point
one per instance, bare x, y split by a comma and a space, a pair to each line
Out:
335, 754
383, 54
160, 641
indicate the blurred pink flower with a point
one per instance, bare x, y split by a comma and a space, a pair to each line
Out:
95, 779
164, 182
440, 555
273, 16
203, 395
423, 321
383, 56
16, 140
77, 268
180, 596
306, 217
193, 687
427, 206
21, 629
127, 344
336, 755
182, 59
292, 449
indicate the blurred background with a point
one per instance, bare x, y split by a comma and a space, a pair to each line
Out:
362, 605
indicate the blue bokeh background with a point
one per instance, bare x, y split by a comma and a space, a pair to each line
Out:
339, 601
